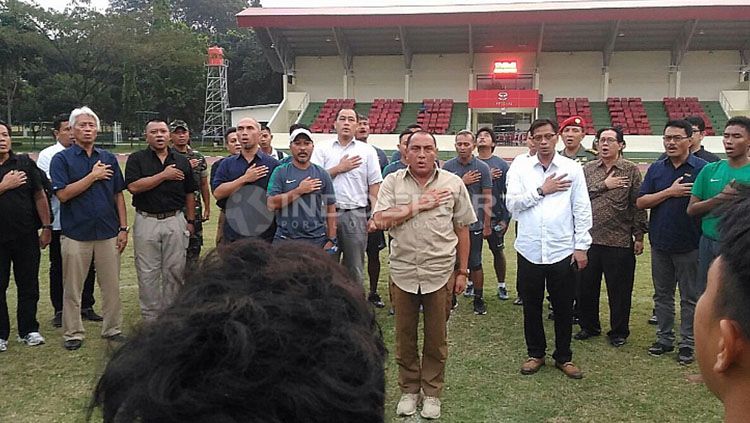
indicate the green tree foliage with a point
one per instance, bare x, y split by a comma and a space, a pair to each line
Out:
142, 55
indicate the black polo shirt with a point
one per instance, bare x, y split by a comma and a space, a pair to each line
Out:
167, 196
18, 214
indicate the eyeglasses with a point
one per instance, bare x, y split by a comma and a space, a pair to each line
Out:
669, 138
548, 137
607, 140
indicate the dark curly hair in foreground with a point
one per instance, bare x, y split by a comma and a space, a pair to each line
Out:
258, 334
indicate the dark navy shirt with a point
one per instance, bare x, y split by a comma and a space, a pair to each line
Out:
92, 215
475, 189
305, 218
671, 230
393, 167
18, 213
235, 166
499, 210
382, 158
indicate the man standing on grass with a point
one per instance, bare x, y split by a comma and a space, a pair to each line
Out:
617, 237
573, 130
64, 139
427, 211
89, 184
23, 210
250, 167
674, 238
375, 240
401, 162
232, 144
301, 193
180, 136
163, 189
265, 142
478, 180
355, 170
486, 142
547, 195
717, 184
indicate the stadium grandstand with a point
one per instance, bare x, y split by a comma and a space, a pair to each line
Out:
630, 64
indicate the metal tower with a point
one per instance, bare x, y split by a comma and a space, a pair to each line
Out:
217, 97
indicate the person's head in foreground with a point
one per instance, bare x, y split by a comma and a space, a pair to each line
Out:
257, 334
722, 316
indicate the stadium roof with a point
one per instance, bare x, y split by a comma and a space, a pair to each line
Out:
506, 26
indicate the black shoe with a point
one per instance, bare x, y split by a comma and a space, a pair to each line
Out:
584, 334
685, 356
576, 321
119, 338
72, 344
374, 299
660, 349
617, 341
652, 320
479, 308
90, 315
57, 320
518, 301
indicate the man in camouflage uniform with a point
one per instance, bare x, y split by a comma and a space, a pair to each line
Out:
180, 134
572, 130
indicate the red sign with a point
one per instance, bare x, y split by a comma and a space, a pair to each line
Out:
494, 99
505, 69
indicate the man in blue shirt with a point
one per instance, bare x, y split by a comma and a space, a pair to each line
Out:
478, 180
500, 215
249, 167
89, 184
674, 238
302, 195
401, 162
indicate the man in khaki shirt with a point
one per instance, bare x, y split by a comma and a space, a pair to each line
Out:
427, 212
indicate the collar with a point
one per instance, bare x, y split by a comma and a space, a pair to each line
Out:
618, 163
170, 151
555, 159
471, 161
11, 157
432, 177
692, 161
78, 150
352, 142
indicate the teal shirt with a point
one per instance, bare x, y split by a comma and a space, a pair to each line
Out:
710, 181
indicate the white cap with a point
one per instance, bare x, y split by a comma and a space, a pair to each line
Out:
300, 131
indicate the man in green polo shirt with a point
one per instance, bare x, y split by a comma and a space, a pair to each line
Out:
717, 184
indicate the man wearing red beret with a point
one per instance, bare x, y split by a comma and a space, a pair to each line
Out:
573, 129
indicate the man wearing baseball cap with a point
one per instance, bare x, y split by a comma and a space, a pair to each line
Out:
180, 137
302, 195
572, 130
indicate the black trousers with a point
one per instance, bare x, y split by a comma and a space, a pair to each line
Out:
618, 267
56, 278
23, 254
560, 282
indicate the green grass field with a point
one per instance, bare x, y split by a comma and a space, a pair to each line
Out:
50, 384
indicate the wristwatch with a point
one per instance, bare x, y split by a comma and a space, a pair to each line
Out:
333, 241
540, 192
124, 229
47, 227
463, 272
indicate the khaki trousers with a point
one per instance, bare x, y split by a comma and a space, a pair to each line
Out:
160, 253
430, 375
76, 260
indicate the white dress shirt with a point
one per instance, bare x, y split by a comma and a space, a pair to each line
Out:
352, 187
550, 228
43, 162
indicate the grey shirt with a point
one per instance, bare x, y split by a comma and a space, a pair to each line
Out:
475, 189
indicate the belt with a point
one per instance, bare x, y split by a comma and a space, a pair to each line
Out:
159, 216
356, 208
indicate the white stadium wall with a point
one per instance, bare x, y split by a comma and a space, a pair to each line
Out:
440, 76
706, 73
639, 74
378, 77
320, 77
575, 74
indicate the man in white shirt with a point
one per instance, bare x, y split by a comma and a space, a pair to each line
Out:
64, 137
355, 170
548, 197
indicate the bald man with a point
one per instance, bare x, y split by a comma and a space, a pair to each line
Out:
249, 167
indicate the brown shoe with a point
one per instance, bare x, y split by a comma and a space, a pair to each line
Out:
532, 365
570, 370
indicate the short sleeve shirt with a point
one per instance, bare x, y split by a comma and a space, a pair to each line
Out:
18, 214
305, 218
475, 189
671, 230
199, 172
710, 182
423, 249
352, 188
499, 210
92, 215
167, 196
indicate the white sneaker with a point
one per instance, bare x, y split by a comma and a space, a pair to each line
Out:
407, 405
431, 408
32, 339
3, 345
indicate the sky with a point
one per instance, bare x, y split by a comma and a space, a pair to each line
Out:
102, 4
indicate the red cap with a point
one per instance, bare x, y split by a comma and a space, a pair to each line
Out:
573, 121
